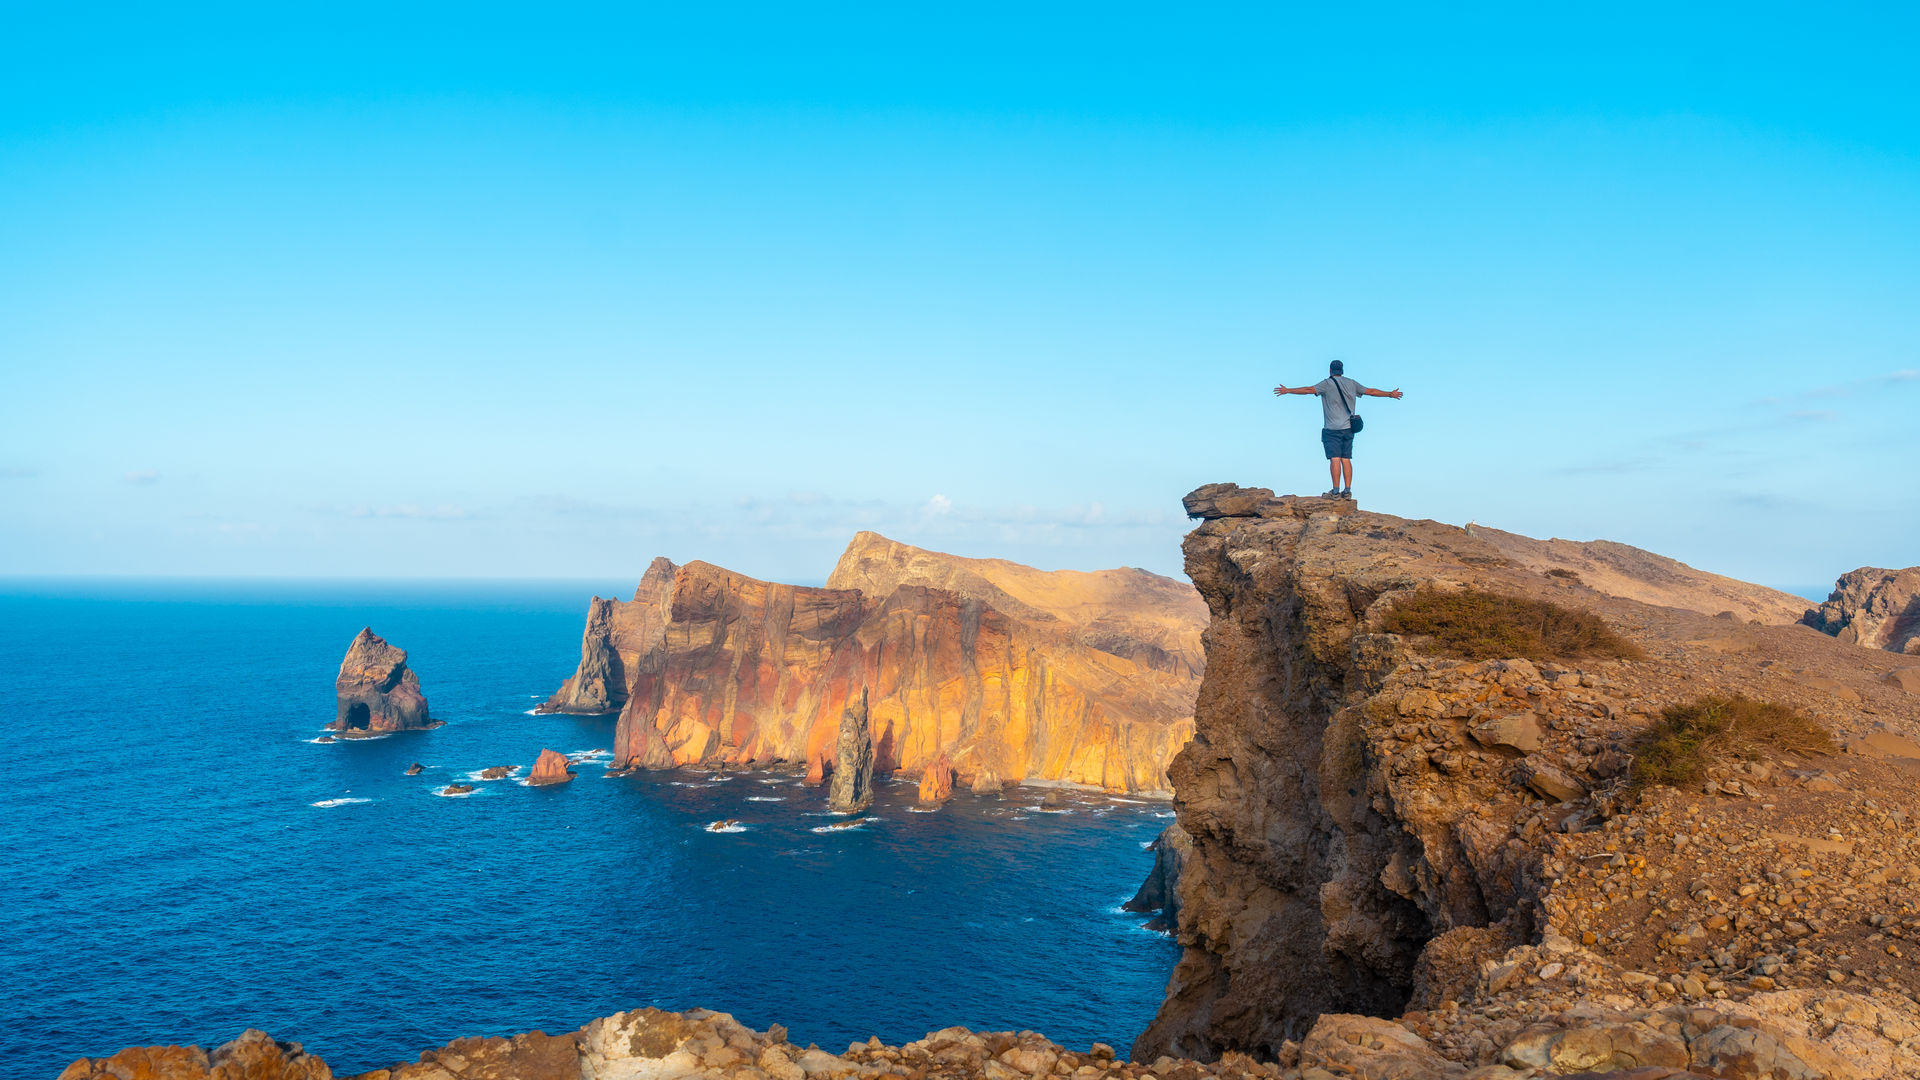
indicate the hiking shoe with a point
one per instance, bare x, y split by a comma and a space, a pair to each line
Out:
1334, 494
1347, 494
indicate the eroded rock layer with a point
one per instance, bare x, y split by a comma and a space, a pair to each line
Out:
1876, 608
1381, 830
1010, 672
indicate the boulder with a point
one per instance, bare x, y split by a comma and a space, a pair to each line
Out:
457, 789
1374, 1048
375, 691
852, 787
415, 769
253, 1056
936, 781
496, 772
1517, 731
986, 783
552, 767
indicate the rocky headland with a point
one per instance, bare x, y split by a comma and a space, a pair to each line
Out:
1012, 673
1879, 609
375, 692
1475, 848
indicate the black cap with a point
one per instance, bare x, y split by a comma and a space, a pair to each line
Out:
1336, 368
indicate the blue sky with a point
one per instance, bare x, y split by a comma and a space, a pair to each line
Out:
478, 292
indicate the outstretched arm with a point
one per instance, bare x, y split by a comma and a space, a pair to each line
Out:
1279, 390
1381, 393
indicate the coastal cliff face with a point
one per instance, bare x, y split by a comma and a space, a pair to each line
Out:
375, 691
1378, 829
618, 633
1879, 609
1011, 673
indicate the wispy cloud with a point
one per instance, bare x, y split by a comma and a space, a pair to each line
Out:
409, 510
1608, 468
1833, 391
142, 477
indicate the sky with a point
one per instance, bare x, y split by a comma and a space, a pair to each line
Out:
420, 291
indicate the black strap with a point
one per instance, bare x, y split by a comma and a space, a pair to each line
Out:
1342, 391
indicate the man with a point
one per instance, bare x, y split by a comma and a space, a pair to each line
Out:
1339, 400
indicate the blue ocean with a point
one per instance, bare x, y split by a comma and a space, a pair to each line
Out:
183, 861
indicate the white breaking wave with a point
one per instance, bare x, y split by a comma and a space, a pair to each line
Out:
717, 827
338, 802
512, 774
848, 827
766, 798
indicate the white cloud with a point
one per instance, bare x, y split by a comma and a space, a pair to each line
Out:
143, 477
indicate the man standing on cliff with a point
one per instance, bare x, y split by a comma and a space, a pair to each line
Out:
1339, 400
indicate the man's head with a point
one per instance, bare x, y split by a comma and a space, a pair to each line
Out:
1336, 368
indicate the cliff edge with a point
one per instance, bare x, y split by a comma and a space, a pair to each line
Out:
1380, 828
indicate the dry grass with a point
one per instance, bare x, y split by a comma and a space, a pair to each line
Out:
1688, 738
1477, 625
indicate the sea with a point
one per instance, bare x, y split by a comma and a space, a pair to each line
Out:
183, 861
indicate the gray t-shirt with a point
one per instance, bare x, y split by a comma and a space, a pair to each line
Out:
1337, 415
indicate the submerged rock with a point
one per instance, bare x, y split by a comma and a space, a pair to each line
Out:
414, 769
457, 789
852, 787
375, 691
552, 767
496, 772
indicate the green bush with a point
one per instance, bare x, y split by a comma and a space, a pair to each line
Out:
1476, 625
1686, 739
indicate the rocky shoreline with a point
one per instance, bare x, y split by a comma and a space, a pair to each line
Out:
1406, 864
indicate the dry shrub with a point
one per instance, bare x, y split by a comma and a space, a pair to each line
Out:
1476, 625
1564, 574
1688, 738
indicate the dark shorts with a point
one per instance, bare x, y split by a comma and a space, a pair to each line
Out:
1339, 444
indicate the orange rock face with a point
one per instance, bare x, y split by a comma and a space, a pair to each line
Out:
552, 767
1007, 670
936, 780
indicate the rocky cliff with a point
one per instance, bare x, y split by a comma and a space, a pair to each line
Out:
375, 691
1011, 672
1876, 608
1379, 828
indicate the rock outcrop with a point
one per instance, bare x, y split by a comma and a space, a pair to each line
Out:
551, 767
1160, 893
852, 787
936, 781
617, 635
1388, 838
376, 692
1009, 671
1879, 609
1703, 1042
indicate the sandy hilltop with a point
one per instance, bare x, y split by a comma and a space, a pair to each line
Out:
1457, 804
1013, 674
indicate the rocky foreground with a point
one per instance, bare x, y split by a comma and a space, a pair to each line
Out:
997, 671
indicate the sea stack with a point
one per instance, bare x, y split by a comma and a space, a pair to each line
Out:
936, 781
550, 768
375, 692
1161, 891
853, 761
